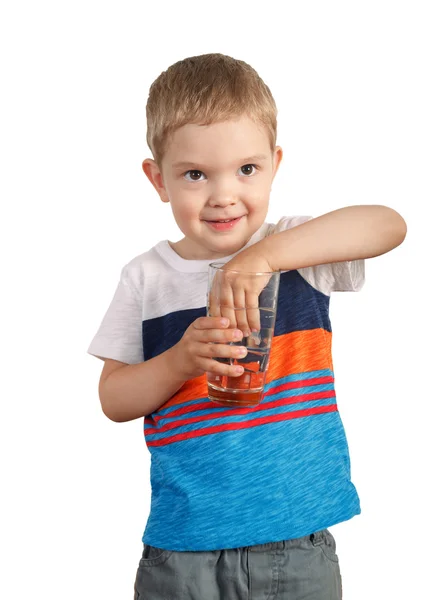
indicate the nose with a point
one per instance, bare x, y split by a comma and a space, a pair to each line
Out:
222, 195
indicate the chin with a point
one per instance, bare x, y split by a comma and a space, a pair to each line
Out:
233, 248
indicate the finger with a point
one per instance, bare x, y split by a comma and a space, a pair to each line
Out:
253, 312
213, 309
218, 335
214, 350
227, 303
213, 297
211, 323
239, 298
216, 368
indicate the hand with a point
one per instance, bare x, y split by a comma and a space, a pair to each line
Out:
194, 353
235, 295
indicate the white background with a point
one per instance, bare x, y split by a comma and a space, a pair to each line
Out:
361, 89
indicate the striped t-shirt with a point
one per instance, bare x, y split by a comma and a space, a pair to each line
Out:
226, 477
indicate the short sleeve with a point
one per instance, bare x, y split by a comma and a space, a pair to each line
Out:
120, 334
347, 276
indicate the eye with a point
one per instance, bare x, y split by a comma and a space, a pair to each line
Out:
194, 175
248, 170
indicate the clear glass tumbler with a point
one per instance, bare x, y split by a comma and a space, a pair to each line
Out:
249, 300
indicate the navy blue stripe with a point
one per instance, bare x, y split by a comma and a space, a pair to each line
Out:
162, 333
300, 308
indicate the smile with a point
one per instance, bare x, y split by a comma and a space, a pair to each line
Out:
225, 225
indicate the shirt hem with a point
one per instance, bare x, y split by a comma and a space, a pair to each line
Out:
229, 545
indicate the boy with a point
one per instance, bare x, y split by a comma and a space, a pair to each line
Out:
241, 497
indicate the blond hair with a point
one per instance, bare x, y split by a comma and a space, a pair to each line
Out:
203, 90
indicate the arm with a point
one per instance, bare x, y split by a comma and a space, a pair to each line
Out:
129, 392
346, 234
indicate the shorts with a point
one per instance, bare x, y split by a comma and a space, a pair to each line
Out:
298, 569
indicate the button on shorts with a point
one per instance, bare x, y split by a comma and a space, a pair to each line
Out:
305, 568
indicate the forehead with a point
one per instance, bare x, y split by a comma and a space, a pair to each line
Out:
223, 141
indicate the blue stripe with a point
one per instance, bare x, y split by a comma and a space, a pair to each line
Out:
295, 292
164, 411
282, 481
162, 333
241, 418
311, 389
299, 377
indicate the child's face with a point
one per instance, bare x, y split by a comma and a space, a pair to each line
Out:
216, 172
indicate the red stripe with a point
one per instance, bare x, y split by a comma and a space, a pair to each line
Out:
246, 425
280, 388
241, 411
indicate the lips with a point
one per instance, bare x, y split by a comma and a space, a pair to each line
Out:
224, 224
226, 220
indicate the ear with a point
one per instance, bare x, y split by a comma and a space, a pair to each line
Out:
154, 174
276, 160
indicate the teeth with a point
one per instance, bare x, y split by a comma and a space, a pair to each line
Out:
224, 220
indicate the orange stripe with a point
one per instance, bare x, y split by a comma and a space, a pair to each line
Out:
296, 352
299, 352
191, 390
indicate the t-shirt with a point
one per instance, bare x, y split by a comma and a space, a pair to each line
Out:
227, 477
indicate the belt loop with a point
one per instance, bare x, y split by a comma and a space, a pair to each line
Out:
317, 538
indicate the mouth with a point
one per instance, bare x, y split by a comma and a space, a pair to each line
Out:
224, 224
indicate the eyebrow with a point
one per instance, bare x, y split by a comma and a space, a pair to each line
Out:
243, 161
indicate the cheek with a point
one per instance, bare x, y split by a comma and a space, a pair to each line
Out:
258, 201
259, 190
185, 210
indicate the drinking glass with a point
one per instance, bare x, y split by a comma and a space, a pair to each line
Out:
246, 299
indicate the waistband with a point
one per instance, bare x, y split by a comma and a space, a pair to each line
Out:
319, 537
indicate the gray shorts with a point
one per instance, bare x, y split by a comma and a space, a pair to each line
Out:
299, 569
